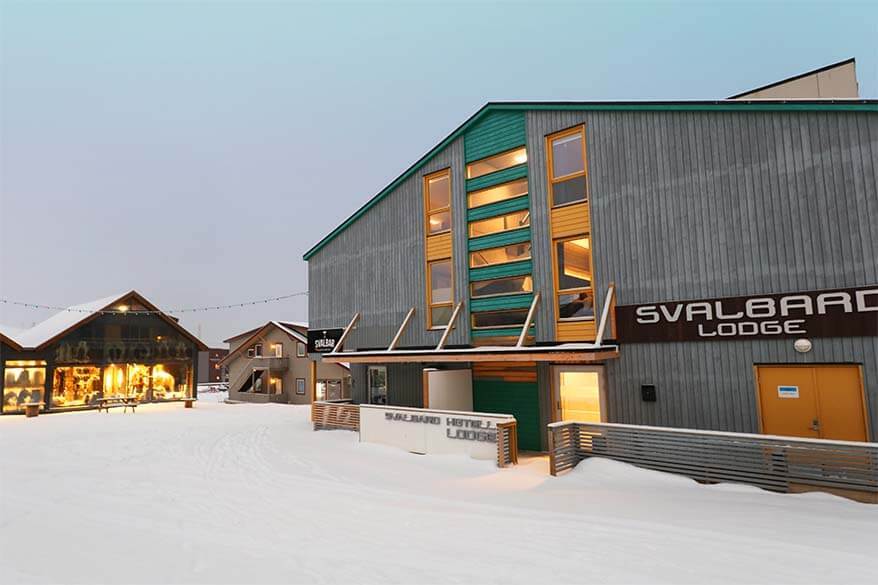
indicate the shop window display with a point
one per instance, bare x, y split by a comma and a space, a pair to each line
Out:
76, 386
170, 381
23, 381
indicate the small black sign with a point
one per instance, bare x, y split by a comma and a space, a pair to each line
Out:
323, 340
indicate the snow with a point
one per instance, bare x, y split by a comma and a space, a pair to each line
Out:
61, 322
249, 493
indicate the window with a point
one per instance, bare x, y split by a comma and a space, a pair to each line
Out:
495, 163
331, 390
574, 278
567, 175
276, 385
23, 381
377, 384
300, 386
437, 198
75, 386
497, 193
255, 351
440, 292
499, 318
501, 286
277, 349
300, 350
502, 223
500, 255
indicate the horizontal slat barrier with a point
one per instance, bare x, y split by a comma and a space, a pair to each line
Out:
507, 444
335, 415
773, 463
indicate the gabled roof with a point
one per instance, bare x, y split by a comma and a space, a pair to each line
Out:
59, 324
6, 333
286, 327
860, 105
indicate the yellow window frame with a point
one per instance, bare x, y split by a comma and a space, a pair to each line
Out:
430, 304
566, 291
550, 164
429, 212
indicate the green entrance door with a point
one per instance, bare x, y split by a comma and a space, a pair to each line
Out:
520, 399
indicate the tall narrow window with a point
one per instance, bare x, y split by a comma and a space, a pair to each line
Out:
575, 296
377, 377
567, 173
440, 291
438, 202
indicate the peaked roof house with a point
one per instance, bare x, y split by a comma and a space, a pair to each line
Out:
270, 364
120, 345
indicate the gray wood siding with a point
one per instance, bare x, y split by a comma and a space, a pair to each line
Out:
405, 384
376, 266
695, 205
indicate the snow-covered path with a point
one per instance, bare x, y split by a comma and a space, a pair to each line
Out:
249, 494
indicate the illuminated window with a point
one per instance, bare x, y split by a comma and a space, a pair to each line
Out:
573, 273
277, 349
24, 381
489, 319
567, 173
497, 193
437, 198
300, 350
501, 255
75, 386
495, 163
276, 385
502, 223
502, 286
440, 292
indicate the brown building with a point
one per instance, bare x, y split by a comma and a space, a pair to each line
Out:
835, 81
209, 369
270, 364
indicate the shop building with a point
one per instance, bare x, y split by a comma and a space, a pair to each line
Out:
709, 265
270, 364
117, 346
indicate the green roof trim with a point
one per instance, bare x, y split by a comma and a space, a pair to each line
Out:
859, 105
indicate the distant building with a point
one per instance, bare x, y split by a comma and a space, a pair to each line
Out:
270, 364
209, 368
835, 81
116, 346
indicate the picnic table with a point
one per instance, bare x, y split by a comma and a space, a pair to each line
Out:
109, 402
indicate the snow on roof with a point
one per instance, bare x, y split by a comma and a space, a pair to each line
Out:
61, 322
288, 328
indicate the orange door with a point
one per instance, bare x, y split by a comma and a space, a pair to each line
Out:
788, 401
823, 402
840, 403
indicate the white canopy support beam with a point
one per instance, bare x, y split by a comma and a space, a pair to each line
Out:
450, 326
605, 314
345, 334
530, 318
405, 322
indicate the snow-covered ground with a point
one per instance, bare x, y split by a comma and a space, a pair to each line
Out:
248, 494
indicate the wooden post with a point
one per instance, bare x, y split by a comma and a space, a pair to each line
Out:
552, 470
312, 374
426, 384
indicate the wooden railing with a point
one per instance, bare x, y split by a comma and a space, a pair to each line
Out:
782, 464
507, 444
339, 414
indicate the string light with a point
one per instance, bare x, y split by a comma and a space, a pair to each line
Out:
130, 311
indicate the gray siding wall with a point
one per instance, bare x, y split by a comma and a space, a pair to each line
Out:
405, 384
376, 266
695, 205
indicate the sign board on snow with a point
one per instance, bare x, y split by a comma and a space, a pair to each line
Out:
849, 312
323, 340
787, 391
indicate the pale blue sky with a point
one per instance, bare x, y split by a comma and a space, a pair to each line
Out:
194, 151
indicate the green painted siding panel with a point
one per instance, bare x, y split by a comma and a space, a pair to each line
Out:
521, 301
520, 399
501, 239
510, 269
516, 172
499, 208
494, 133
502, 332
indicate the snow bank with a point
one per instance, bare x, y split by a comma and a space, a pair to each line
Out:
249, 494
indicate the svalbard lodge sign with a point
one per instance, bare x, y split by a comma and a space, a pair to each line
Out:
850, 312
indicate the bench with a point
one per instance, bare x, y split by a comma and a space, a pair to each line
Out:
32, 408
115, 402
189, 402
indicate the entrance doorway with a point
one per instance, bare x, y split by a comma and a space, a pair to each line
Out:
820, 402
580, 393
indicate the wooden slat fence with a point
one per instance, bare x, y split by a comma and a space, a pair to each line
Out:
507, 444
782, 464
335, 415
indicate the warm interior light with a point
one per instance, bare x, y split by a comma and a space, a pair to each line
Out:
520, 157
122, 308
